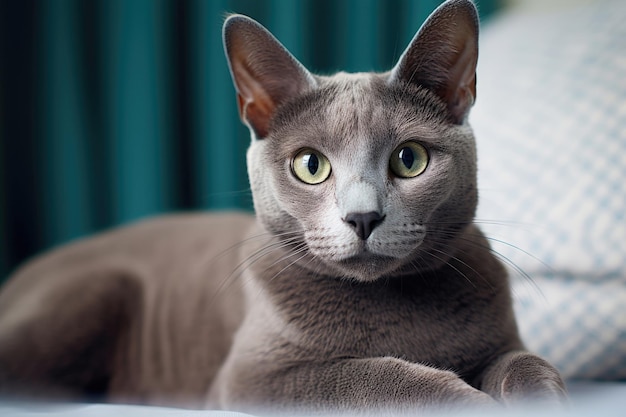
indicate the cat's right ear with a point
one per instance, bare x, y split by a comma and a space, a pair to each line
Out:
265, 74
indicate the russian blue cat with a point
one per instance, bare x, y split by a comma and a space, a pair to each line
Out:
361, 284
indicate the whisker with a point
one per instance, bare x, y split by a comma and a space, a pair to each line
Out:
250, 260
236, 273
302, 249
506, 260
263, 251
298, 249
451, 266
518, 270
503, 258
466, 265
503, 242
252, 239
543, 263
510, 223
418, 268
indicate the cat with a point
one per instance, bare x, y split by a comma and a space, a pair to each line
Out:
362, 284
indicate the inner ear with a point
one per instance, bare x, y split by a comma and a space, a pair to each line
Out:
442, 57
265, 74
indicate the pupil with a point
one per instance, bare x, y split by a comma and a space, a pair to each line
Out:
407, 157
312, 163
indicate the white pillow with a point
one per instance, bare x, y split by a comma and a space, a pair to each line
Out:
550, 121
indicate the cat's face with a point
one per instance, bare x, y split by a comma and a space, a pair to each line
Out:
366, 174
376, 148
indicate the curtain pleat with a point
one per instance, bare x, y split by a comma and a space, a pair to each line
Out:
66, 208
137, 105
116, 110
219, 140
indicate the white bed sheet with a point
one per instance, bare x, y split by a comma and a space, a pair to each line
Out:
588, 398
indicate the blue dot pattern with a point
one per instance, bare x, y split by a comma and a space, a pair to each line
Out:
550, 122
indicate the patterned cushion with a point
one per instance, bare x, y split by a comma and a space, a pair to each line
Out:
550, 121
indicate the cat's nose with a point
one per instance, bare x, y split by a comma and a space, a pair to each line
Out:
364, 223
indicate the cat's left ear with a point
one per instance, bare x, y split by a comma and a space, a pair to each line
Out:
443, 55
264, 72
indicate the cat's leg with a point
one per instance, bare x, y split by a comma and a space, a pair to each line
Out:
58, 336
521, 376
370, 385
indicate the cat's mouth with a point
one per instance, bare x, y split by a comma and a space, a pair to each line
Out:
365, 259
364, 264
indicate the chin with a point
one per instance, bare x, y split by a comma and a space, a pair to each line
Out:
368, 267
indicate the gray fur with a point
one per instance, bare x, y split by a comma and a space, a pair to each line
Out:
295, 311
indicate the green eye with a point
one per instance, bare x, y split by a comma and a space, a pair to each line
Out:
409, 160
310, 166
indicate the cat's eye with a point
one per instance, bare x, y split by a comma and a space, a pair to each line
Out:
310, 166
408, 160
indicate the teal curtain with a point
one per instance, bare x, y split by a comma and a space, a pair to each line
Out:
115, 110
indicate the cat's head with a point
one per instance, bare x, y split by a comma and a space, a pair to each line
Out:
368, 173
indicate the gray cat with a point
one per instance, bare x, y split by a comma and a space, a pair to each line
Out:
362, 284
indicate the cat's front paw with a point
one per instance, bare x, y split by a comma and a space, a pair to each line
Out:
460, 395
530, 378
